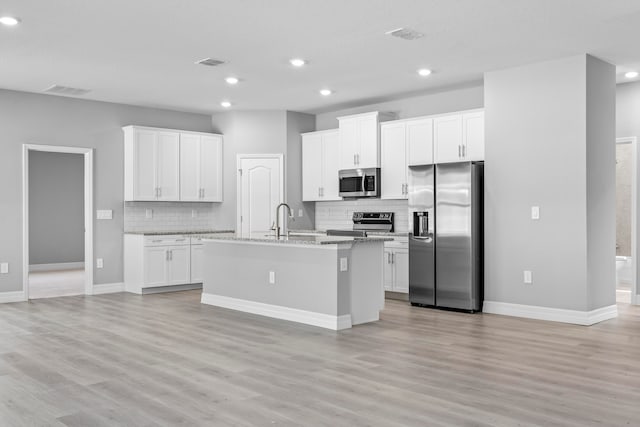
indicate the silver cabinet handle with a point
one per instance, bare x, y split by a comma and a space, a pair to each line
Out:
159, 191
393, 258
170, 255
319, 192
322, 191
166, 255
459, 152
354, 160
358, 157
388, 257
464, 151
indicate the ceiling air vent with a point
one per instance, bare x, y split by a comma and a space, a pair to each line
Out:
405, 33
210, 62
65, 90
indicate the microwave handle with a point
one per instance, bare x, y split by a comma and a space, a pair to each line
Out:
364, 176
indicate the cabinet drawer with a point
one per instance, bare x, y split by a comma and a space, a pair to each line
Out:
165, 240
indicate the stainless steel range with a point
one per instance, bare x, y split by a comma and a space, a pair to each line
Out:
366, 222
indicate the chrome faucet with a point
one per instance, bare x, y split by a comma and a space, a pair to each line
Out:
277, 224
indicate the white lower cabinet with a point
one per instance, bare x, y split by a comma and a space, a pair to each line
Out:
155, 261
197, 262
396, 266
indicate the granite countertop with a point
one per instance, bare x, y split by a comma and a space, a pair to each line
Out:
302, 240
171, 233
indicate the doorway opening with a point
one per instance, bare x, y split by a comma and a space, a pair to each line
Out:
260, 188
57, 221
626, 221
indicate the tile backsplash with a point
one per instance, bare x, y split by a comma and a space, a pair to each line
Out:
168, 216
337, 215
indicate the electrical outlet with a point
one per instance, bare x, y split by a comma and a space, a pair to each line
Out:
99, 263
272, 277
535, 212
4, 268
528, 279
148, 213
344, 264
300, 213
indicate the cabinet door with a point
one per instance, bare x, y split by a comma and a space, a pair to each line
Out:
401, 270
420, 142
179, 265
155, 266
388, 270
168, 166
447, 138
211, 168
394, 161
348, 143
473, 128
144, 166
190, 167
197, 266
312, 157
330, 166
368, 153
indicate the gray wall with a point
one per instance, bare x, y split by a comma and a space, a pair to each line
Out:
298, 123
628, 124
27, 118
537, 150
56, 207
601, 183
462, 98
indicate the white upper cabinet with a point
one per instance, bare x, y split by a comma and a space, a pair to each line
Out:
360, 140
394, 161
320, 155
459, 137
447, 138
172, 165
419, 142
473, 134
151, 164
200, 168
404, 143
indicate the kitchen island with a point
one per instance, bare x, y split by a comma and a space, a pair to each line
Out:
330, 282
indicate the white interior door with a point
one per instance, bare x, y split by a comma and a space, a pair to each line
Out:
261, 189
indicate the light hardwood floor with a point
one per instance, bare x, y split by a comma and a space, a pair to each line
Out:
48, 284
165, 359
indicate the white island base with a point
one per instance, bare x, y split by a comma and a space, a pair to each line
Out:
299, 280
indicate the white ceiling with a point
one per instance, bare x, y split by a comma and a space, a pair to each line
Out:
142, 52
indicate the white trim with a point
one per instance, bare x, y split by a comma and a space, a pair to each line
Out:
634, 214
327, 321
88, 210
57, 266
576, 317
239, 159
16, 296
108, 288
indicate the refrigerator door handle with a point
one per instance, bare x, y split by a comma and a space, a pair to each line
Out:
427, 239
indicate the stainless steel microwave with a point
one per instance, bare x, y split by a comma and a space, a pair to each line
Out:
359, 182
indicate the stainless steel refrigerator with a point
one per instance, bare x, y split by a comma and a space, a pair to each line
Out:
446, 235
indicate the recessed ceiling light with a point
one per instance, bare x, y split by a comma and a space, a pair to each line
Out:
9, 21
325, 92
297, 62
631, 74
232, 80
225, 104
424, 72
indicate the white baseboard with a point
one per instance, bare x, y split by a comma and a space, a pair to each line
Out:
57, 266
576, 317
108, 288
327, 321
16, 296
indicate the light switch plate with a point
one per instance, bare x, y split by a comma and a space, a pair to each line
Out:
148, 213
535, 212
344, 264
4, 268
300, 213
99, 263
528, 277
272, 277
104, 214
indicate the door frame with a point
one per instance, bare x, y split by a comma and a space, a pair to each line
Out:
634, 213
88, 211
240, 158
